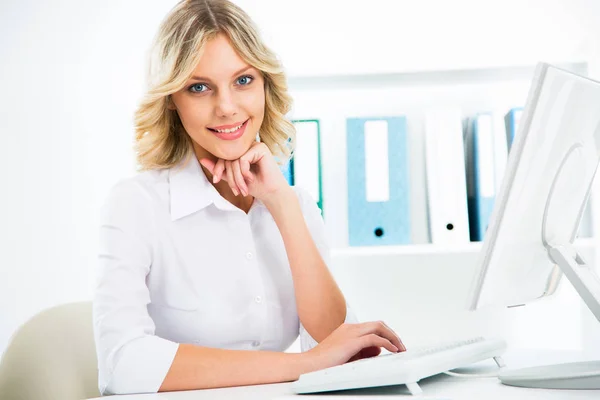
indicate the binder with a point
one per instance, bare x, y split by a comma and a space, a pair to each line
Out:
378, 186
511, 120
500, 148
445, 177
305, 167
481, 183
286, 170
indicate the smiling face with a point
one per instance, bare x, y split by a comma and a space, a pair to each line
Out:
222, 106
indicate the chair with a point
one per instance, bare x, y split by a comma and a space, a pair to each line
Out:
52, 356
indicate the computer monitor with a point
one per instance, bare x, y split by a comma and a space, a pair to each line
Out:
547, 183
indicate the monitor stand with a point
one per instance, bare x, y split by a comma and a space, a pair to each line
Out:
579, 375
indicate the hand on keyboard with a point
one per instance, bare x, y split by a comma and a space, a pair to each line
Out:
407, 367
351, 342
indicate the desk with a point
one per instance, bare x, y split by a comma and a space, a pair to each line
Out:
436, 387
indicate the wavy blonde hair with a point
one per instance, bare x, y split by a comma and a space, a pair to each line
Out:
161, 139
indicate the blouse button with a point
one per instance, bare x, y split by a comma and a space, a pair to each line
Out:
258, 299
249, 255
255, 344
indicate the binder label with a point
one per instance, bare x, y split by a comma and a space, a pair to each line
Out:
376, 161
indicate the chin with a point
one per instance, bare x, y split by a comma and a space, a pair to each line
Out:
232, 152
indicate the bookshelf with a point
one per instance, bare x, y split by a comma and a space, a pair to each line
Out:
395, 283
332, 99
470, 248
483, 62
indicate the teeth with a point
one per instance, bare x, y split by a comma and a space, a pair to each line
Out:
228, 130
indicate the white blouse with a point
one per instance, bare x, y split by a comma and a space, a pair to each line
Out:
180, 264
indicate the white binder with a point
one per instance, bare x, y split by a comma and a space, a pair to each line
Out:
446, 182
307, 159
500, 147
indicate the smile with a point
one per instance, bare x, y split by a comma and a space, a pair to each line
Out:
229, 130
232, 133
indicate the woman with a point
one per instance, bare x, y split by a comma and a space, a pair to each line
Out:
210, 264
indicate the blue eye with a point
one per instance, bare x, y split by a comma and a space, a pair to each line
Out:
196, 85
245, 77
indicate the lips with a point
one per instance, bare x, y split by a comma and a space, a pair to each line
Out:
232, 135
223, 127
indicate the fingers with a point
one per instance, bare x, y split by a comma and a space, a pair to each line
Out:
245, 167
208, 164
399, 343
218, 170
230, 178
367, 352
381, 329
232, 172
239, 178
373, 339
256, 153
370, 352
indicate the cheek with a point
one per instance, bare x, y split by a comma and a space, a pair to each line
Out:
257, 105
193, 117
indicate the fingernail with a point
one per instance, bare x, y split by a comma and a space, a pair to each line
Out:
214, 179
235, 192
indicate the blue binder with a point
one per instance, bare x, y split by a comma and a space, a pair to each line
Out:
287, 171
373, 223
480, 175
511, 120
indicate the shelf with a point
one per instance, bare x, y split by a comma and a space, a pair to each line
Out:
431, 249
451, 74
427, 248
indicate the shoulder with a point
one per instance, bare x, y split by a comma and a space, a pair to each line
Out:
141, 185
138, 193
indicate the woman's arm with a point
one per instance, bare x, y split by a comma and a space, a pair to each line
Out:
196, 367
320, 302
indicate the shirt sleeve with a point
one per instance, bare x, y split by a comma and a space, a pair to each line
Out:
131, 359
316, 226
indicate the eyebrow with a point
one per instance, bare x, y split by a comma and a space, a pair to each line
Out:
201, 78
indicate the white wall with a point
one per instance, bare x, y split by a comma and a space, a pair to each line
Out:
72, 72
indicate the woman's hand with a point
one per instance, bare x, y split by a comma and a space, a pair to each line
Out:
255, 173
350, 342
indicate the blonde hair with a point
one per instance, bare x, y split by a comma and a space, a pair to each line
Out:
161, 140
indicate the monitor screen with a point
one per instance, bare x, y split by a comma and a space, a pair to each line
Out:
550, 169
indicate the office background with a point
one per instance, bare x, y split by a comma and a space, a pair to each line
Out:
72, 73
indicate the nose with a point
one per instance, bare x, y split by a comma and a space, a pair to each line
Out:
226, 104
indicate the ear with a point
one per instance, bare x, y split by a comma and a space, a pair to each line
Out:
170, 104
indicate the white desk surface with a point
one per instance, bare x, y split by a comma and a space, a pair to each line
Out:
437, 387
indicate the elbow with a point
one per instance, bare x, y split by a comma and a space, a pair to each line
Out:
127, 380
124, 380
140, 366
125, 384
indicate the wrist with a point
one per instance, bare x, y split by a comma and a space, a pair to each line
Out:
306, 362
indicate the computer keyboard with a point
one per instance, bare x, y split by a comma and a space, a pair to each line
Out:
407, 368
